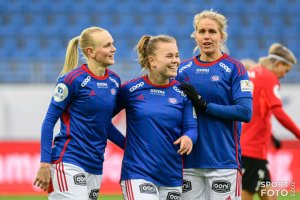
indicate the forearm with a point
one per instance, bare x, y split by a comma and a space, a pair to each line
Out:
286, 121
241, 111
116, 136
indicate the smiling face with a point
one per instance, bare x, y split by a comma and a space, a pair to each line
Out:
104, 50
165, 62
208, 37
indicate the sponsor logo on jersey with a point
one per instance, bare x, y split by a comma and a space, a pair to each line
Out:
80, 179
215, 78
179, 91
186, 186
246, 86
113, 91
86, 80
227, 69
173, 196
157, 92
94, 194
221, 186
102, 85
60, 92
133, 88
185, 67
202, 71
114, 81
147, 188
276, 91
173, 100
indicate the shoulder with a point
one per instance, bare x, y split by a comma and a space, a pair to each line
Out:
233, 64
115, 78
71, 76
176, 88
133, 84
185, 65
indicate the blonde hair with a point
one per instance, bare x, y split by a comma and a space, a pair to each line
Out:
84, 40
278, 52
219, 19
147, 46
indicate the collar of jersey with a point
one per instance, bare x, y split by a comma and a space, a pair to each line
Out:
208, 64
159, 86
86, 69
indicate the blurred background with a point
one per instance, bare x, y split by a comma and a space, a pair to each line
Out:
34, 35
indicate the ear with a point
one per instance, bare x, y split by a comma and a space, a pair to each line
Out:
89, 51
151, 60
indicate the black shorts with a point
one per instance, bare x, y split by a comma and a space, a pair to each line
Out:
255, 171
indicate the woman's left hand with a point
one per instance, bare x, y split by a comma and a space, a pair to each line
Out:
186, 145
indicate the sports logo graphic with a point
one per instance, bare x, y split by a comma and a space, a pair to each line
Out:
173, 196
186, 186
60, 92
80, 179
86, 80
136, 86
94, 194
147, 188
173, 100
221, 186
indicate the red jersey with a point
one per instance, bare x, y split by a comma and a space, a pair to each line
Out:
256, 134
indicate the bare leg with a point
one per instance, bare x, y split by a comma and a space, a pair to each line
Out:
247, 195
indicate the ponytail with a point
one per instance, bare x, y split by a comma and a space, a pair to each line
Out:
71, 59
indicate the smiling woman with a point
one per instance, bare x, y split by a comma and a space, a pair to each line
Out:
161, 125
71, 168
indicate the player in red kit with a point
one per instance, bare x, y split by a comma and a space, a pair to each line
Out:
266, 102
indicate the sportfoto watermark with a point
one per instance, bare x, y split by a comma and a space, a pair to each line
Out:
278, 188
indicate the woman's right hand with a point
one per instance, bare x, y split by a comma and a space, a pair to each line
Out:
42, 178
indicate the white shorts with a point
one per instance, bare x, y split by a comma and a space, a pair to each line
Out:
139, 189
72, 182
212, 184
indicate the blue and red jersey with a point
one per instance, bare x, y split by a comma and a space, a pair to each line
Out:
87, 102
221, 82
156, 116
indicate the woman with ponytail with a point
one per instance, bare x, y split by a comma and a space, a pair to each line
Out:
161, 125
83, 99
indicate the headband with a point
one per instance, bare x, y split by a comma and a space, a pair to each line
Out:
280, 58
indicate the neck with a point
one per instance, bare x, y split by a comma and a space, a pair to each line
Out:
97, 70
157, 79
210, 57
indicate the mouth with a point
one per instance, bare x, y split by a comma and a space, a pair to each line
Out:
207, 44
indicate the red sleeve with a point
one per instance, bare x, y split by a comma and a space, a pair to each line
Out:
285, 120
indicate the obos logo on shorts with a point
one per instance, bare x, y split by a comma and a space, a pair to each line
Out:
60, 92
173, 196
147, 188
80, 179
186, 186
221, 186
94, 194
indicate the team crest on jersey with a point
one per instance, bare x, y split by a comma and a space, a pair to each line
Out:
60, 92
215, 78
173, 100
113, 91
245, 86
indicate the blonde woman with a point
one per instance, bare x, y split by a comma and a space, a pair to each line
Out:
84, 99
